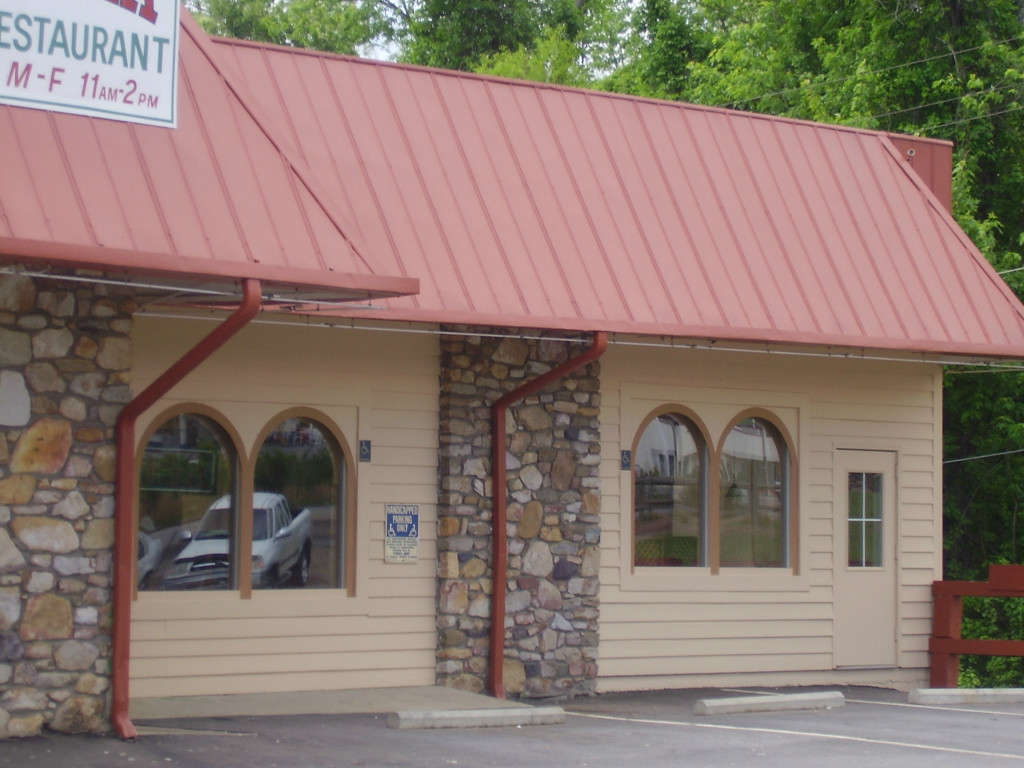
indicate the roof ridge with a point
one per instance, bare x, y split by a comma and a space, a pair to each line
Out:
539, 85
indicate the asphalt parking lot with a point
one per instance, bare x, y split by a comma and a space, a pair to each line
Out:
874, 727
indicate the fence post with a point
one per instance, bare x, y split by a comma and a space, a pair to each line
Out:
946, 625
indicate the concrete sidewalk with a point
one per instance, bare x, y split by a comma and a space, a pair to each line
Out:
408, 708
370, 701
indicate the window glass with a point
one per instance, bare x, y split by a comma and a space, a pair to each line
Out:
669, 494
187, 532
754, 497
864, 522
299, 484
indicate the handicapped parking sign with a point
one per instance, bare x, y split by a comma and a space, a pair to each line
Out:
402, 533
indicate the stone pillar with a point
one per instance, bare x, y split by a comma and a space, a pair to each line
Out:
551, 621
65, 358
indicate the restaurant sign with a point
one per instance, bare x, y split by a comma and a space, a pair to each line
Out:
116, 59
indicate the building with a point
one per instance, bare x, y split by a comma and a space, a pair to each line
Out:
713, 342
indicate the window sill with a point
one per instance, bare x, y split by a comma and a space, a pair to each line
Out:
686, 579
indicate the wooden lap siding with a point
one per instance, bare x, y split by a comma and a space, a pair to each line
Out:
376, 386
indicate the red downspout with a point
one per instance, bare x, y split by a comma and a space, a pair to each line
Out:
125, 491
496, 674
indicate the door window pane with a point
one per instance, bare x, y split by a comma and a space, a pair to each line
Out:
669, 494
864, 520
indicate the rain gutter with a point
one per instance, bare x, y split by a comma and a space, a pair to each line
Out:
496, 671
125, 492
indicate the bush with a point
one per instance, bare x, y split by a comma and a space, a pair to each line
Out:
992, 618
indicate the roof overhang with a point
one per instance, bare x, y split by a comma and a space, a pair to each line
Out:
205, 280
711, 337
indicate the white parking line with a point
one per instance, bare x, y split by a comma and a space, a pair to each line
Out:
937, 708
156, 730
807, 734
895, 704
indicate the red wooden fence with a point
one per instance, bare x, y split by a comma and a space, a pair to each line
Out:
946, 645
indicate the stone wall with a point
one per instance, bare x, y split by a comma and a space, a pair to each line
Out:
65, 356
551, 621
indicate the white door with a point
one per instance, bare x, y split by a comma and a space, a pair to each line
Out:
865, 559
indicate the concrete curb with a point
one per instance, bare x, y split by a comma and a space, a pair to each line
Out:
966, 695
477, 718
771, 703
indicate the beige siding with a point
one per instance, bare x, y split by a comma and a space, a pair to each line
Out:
374, 385
663, 627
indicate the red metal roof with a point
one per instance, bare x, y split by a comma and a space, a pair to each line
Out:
511, 204
523, 204
214, 200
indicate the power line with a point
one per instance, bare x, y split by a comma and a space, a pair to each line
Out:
985, 456
929, 128
865, 119
945, 101
871, 72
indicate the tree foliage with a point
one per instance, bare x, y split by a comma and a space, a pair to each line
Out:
456, 34
339, 26
553, 59
563, 41
572, 40
992, 618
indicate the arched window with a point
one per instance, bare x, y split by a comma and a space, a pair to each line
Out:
301, 467
754, 494
188, 529
669, 496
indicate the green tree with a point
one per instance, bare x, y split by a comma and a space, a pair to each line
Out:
668, 38
240, 19
553, 59
992, 618
983, 432
338, 26
456, 34
563, 41
575, 42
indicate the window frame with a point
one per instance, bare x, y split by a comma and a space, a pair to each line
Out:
864, 523
244, 469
